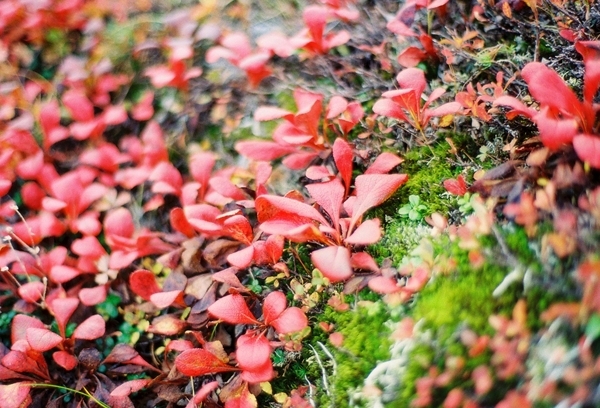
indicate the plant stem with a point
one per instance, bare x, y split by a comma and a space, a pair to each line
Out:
61, 387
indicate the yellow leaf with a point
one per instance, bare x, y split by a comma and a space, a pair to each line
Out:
507, 10
446, 121
266, 387
280, 397
533, 6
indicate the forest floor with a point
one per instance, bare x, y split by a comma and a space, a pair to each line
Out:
331, 203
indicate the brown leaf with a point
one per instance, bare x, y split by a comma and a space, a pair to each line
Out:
197, 286
538, 157
501, 171
191, 257
569, 310
121, 353
208, 299
215, 253
174, 281
562, 245
170, 393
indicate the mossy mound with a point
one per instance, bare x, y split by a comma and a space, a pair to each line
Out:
366, 331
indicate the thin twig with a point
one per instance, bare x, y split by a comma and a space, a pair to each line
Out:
323, 371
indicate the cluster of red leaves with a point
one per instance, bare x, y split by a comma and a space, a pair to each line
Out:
562, 118
79, 233
299, 138
313, 40
82, 198
405, 104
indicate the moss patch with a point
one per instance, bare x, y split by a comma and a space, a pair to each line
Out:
366, 342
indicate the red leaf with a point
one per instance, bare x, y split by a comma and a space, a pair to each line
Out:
336, 106
114, 115
257, 375
118, 223
180, 223
333, 262
20, 362
143, 283
555, 132
389, 108
335, 39
238, 227
63, 309
336, 339
242, 258
384, 163
411, 57
160, 76
548, 88
289, 211
291, 320
65, 360
263, 150
92, 296
412, 78
121, 354
129, 387
143, 110
456, 186
273, 305
318, 173
590, 51
445, 109
374, 189
342, 155
203, 393
367, 233
252, 351
168, 325
42, 339
588, 149
15, 395
436, 3
90, 329
162, 300
32, 291
237, 395
79, 106
62, 273
299, 161
383, 285
265, 113
228, 276
362, 260
518, 107
329, 196
197, 362
232, 309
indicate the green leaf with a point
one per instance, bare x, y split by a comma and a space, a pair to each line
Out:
592, 329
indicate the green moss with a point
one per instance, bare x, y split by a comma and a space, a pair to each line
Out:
366, 342
401, 236
427, 168
465, 296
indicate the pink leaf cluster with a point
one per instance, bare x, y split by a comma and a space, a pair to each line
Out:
405, 104
343, 228
299, 139
253, 349
562, 118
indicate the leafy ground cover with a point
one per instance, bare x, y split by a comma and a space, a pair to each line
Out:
290, 204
